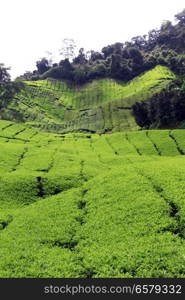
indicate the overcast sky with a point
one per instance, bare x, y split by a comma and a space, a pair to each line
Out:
29, 28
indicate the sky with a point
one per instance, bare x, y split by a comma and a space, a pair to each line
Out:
30, 28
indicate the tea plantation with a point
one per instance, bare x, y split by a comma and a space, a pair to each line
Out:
96, 107
87, 205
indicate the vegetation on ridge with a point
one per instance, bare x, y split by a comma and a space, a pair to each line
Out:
123, 61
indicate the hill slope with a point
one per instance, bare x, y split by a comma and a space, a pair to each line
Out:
99, 106
81, 205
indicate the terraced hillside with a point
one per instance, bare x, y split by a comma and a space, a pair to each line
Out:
84, 205
99, 106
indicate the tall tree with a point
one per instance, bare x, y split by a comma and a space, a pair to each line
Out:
180, 17
67, 51
4, 74
94, 55
42, 65
81, 58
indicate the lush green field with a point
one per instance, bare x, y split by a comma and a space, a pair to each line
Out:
85, 205
99, 106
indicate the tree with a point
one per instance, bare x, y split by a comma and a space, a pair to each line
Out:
26, 76
166, 25
49, 57
66, 69
67, 51
116, 66
120, 68
116, 48
180, 17
152, 38
140, 112
98, 71
81, 58
94, 55
4, 75
8, 90
81, 74
139, 42
42, 65
136, 55
107, 51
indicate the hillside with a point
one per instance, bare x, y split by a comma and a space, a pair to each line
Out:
82, 205
92, 148
98, 106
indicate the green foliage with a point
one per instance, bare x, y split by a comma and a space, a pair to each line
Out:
165, 110
4, 74
99, 106
8, 90
42, 65
82, 205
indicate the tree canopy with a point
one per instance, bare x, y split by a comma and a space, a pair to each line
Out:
4, 74
121, 61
